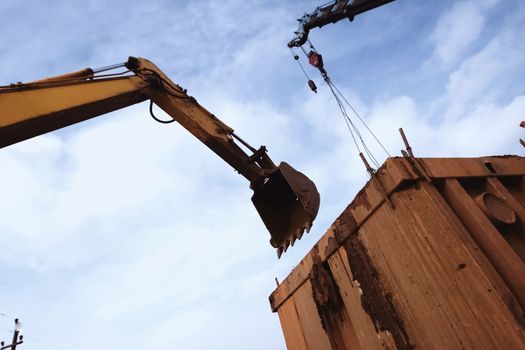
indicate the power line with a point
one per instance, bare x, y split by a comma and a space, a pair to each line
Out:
46, 343
42, 330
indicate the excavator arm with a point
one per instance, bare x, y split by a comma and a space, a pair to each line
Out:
331, 12
286, 200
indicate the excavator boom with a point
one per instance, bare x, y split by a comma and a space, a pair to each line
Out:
286, 200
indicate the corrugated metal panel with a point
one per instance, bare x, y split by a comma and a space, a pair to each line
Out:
441, 268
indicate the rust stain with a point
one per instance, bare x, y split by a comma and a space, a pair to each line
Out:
361, 199
375, 300
331, 247
326, 294
328, 301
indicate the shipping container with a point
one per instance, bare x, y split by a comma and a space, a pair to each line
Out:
430, 254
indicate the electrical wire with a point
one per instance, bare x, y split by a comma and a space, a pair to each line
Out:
41, 330
7, 330
32, 338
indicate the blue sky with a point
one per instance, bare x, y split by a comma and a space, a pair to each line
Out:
123, 233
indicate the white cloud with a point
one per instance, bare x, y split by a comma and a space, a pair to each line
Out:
458, 28
485, 130
482, 76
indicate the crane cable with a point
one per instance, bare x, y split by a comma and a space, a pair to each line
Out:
347, 119
339, 97
296, 58
311, 83
334, 89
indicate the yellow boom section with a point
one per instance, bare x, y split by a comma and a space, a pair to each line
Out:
32, 109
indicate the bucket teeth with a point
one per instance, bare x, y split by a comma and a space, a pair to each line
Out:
300, 234
281, 249
287, 202
307, 227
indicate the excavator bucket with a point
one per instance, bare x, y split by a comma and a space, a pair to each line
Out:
287, 202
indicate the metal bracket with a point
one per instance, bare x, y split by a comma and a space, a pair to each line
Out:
409, 156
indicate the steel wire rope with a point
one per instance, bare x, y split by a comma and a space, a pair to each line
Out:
365, 146
341, 106
296, 58
347, 120
350, 105
362, 121
349, 123
335, 92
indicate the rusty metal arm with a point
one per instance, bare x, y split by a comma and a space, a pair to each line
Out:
330, 13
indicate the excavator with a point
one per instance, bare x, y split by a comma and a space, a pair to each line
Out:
286, 199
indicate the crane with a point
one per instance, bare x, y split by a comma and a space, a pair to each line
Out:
286, 199
331, 12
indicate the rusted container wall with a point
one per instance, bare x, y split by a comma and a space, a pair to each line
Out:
430, 256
